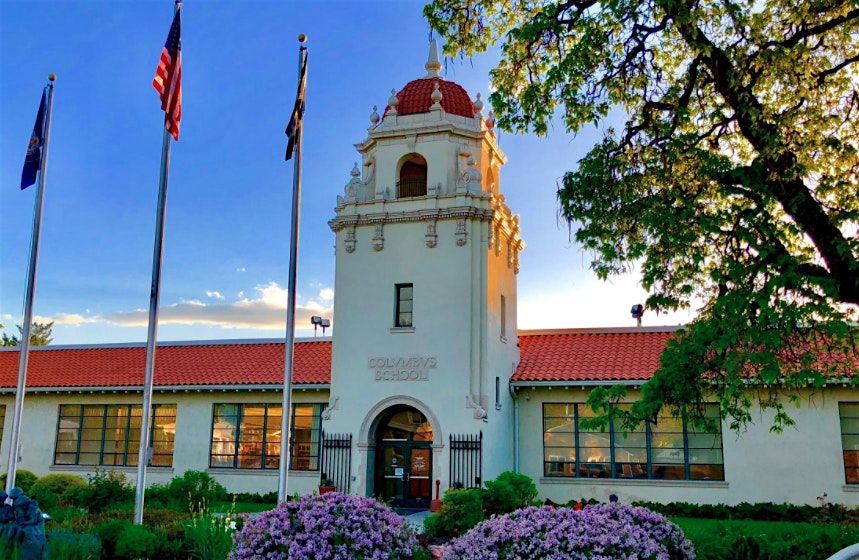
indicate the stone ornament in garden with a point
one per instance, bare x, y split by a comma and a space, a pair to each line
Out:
603, 531
333, 526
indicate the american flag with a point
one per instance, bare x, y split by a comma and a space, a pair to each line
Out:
168, 78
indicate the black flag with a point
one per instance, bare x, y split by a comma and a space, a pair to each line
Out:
298, 111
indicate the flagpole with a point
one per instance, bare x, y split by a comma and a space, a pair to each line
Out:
152, 331
286, 408
29, 296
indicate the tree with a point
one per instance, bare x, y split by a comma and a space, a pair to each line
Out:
40, 335
733, 182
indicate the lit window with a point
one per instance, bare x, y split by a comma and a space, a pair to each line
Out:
247, 436
403, 311
109, 435
672, 448
849, 413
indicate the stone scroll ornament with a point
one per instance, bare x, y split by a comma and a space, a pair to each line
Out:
22, 526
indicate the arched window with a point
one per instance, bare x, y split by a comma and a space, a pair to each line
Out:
412, 180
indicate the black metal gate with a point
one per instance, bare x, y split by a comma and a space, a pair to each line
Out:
335, 460
466, 460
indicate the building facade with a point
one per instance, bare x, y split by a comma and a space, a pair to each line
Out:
427, 383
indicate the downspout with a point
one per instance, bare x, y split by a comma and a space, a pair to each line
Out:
515, 398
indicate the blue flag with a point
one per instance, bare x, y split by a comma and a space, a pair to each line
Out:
33, 160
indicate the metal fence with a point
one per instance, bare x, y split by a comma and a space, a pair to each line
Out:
466, 460
411, 187
336, 460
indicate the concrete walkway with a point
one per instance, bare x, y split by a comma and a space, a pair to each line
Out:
416, 520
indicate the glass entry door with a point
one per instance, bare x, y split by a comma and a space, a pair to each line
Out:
404, 458
405, 474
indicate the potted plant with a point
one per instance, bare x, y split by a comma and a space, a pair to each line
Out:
326, 485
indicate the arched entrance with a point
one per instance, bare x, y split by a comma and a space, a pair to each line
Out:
403, 473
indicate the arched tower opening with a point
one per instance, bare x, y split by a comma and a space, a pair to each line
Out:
412, 178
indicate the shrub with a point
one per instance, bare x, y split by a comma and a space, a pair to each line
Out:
66, 545
136, 541
105, 490
254, 498
168, 521
510, 491
190, 489
460, 511
600, 531
333, 526
764, 511
209, 537
109, 531
24, 480
54, 490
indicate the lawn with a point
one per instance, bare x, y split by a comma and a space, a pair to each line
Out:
716, 539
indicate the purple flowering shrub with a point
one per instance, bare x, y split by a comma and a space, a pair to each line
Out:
597, 532
333, 526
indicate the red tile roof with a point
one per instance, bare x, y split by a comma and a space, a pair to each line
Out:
590, 354
570, 355
415, 98
242, 363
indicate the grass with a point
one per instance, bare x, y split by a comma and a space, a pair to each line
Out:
717, 539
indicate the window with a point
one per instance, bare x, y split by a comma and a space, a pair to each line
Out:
403, 312
672, 448
2, 420
503, 317
412, 177
849, 414
247, 436
109, 435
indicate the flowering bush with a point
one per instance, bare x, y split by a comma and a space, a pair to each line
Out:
333, 526
597, 532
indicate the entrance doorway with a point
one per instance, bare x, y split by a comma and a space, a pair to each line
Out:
404, 458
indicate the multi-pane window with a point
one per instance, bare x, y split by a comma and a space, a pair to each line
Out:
672, 448
109, 435
247, 436
403, 311
849, 413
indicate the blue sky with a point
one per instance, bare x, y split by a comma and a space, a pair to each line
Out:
227, 228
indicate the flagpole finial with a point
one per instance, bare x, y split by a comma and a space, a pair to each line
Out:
52, 77
433, 65
302, 38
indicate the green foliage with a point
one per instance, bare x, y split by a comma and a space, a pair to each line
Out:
109, 531
40, 335
65, 545
731, 188
510, 491
53, 490
765, 511
765, 540
136, 541
208, 536
188, 490
254, 498
461, 510
24, 480
105, 490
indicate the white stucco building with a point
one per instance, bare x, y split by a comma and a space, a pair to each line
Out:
427, 380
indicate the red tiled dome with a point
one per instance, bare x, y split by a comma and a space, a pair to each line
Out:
415, 98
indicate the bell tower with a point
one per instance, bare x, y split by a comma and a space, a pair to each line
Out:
427, 253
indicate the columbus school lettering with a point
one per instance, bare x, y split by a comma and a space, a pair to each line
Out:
413, 368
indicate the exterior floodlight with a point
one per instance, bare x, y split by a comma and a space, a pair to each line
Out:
637, 312
317, 322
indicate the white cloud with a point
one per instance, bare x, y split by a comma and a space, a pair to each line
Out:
241, 294
66, 319
326, 294
215, 295
266, 311
241, 269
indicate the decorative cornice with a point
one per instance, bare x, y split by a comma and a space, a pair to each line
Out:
452, 213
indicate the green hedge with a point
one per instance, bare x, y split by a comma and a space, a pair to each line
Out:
765, 540
766, 511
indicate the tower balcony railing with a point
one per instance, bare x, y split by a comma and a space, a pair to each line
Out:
407, 188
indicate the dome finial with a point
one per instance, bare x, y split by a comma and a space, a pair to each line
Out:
433, 66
